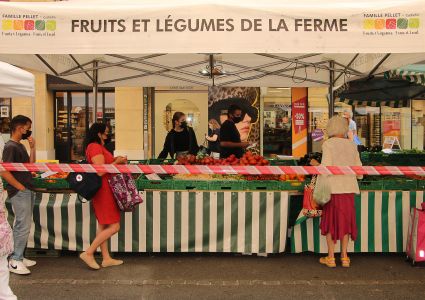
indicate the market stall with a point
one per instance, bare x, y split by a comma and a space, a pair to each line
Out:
180, 213
170, 221
382, 209
323, 44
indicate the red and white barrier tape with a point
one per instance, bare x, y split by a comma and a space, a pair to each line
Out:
200, 169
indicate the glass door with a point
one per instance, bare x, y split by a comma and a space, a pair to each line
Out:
62, 121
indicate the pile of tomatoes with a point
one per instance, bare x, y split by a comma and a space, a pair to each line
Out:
248, 159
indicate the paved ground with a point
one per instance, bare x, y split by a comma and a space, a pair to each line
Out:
223, 277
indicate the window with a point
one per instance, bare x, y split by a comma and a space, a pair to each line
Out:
418, 124
318, 116
74, 113
396, 123
5, 117
277, 120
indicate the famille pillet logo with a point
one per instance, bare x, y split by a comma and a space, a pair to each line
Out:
391, 23
27, 25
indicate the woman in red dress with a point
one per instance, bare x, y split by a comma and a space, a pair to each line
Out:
104, 204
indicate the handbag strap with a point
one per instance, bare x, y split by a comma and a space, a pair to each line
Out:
313, 181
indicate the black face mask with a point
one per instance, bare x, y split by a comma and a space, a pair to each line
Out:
183, 124
26, 135
237, 119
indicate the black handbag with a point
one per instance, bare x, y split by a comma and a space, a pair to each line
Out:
86, 185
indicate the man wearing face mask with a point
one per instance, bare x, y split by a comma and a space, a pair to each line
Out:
181, 140
19, 191
230, 138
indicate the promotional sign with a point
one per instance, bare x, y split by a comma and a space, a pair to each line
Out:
299, 121
190, 27
317, 135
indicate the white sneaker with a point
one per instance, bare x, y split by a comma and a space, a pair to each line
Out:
29, 263
18, 267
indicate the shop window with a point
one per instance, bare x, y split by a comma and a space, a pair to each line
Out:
418, 124
5, 117
368, 120
318, 117
277, 120
74, 114
396, 124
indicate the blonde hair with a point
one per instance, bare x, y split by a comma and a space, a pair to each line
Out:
214, 124
337, 126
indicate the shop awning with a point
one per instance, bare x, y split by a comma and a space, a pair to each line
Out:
380, 92
15, 82
412, 73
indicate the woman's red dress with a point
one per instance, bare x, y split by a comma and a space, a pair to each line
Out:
104, 204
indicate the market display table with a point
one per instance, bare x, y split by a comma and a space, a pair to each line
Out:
382, 221
169, 221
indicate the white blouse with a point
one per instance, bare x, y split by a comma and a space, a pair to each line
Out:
341, 152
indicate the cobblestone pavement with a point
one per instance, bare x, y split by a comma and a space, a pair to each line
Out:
206, 276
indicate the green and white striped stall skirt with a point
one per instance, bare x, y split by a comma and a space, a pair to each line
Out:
169, 221
382, 220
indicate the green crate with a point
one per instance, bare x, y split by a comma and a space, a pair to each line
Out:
50, 183
253, 185
234, 185
404, 184
393, 159
146, 184
157, 161
191, 185
291, 185
373, 185
277, 162
420, 185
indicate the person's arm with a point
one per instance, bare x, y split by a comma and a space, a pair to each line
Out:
8, 156
193, 147
99, 159
31, 142
213, 138
12, 181
358, 162
166, 149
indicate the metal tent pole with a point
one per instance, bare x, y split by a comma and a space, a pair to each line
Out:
95, 88
331, 87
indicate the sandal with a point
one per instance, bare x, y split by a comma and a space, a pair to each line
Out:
328, 261
345, 261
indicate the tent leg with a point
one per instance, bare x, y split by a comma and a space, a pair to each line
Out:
95, 88
331, 86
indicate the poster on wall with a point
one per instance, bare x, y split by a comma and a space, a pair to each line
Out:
4, 111
219, 100
299, 121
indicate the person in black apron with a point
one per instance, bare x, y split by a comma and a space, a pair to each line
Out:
181, 140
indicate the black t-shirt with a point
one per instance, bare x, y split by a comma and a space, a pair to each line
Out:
181, 141
17, 153
229, 133
214, 146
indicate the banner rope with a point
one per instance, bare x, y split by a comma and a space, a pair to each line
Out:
202, 169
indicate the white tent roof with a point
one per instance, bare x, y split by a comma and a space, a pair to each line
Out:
15, 82
79, 37
240, 69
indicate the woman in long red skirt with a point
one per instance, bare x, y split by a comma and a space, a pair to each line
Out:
104, 204
339, 214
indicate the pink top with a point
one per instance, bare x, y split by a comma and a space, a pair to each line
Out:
6, 236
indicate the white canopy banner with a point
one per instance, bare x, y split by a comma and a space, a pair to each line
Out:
15, 82
204, 26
